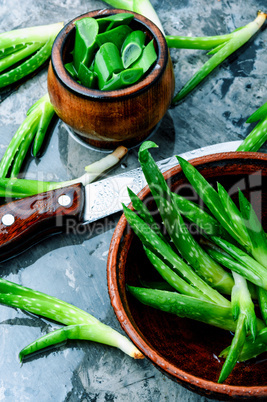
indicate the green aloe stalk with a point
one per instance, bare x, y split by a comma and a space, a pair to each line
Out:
195, 214
252, 348
186, 306
159, 247
243, 312
262, 299
144, 213
25, 50
211, 198
255, 230
173, 279
249, 268
204, 43
79, 324
242, 225
258, 136
221, 52
185, 243
34, 128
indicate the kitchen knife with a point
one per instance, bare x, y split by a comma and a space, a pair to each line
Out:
27, 221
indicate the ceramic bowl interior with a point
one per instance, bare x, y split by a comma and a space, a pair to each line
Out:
184, 349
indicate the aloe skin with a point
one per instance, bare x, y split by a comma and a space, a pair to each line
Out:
238, 38
22, 51
79, 324
258, 136
190, 250
32, 130
231, 258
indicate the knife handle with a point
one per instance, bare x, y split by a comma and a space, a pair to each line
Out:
27, 221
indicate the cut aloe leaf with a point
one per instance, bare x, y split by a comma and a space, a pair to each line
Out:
132, 48
85, 41
147, 58
116, 36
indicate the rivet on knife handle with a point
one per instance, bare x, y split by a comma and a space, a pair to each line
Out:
27, 221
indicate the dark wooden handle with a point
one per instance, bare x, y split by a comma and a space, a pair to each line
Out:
27, 221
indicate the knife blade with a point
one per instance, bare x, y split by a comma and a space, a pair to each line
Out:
29, 220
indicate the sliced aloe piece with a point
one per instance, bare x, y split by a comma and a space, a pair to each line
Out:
147, 58
85, 41
132, 48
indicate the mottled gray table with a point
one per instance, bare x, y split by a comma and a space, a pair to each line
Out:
74, 267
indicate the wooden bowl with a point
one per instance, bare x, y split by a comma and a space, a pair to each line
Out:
107, 119
185, 350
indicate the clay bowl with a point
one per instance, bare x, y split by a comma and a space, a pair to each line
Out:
186, 350
107, 119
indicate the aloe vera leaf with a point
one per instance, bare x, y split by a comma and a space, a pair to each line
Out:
36, 134
185, 243
107, 62
33, 127
13, 49
194, 213
116, 36
121, 80
242, 304
98, 332
85, 41
31, 122
28, 66
23, 150
160, 285
89, 327
87, 77
192, 252
71, 70
144, 213
259, 114
132, 47
235, 349
258, 136
262, 299
143, 7
47, 308
229, 262
255, 230
235, 217
251, 269
147, 58
210, 197
186, 306
239, 38
153, 242
48, 113
252, 348
171, 277
189, 42
112, 21
19, 55
20, 37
